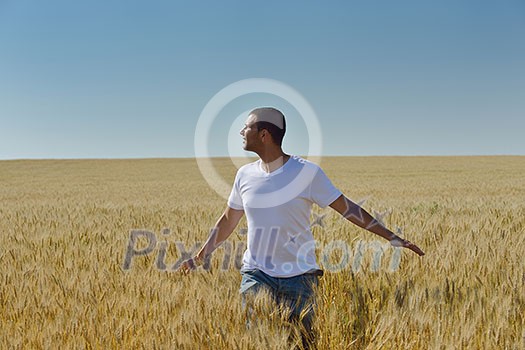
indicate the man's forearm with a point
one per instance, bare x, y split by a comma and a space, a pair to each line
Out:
376, 227
218, 234
360, 217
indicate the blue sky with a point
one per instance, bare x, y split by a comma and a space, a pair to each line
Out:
129, 79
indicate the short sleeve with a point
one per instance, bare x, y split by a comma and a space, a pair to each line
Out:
235, 199
322, 191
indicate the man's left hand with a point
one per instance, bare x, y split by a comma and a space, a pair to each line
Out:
400, 242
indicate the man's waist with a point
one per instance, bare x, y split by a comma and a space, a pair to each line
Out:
274, 272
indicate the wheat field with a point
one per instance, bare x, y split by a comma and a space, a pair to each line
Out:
65, 226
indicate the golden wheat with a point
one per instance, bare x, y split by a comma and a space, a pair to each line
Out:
65, 226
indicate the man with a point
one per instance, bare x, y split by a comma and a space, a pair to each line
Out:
276, 193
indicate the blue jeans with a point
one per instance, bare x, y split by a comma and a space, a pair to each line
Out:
295, 293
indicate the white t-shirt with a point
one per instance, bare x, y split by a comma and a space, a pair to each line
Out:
278, 207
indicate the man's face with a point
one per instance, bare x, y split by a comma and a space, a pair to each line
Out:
250, 134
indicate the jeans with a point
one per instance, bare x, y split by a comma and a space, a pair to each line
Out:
295, 293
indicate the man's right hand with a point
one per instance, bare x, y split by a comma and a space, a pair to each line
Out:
188, 265
220, 232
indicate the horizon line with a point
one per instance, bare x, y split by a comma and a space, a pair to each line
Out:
314, 156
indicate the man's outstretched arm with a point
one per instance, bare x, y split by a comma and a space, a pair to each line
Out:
360, 217
222, 230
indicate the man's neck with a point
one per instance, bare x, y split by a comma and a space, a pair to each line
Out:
271, 161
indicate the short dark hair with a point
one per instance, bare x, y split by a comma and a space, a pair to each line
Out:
276, 132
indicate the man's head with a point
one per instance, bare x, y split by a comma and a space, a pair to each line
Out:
265, 127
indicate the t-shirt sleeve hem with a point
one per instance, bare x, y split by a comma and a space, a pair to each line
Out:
235, 206
330, 199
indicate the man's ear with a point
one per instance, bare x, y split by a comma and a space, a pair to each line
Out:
264, 133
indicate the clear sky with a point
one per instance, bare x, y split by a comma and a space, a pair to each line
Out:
129, 79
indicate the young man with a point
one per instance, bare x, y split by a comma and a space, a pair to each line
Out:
276, 193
